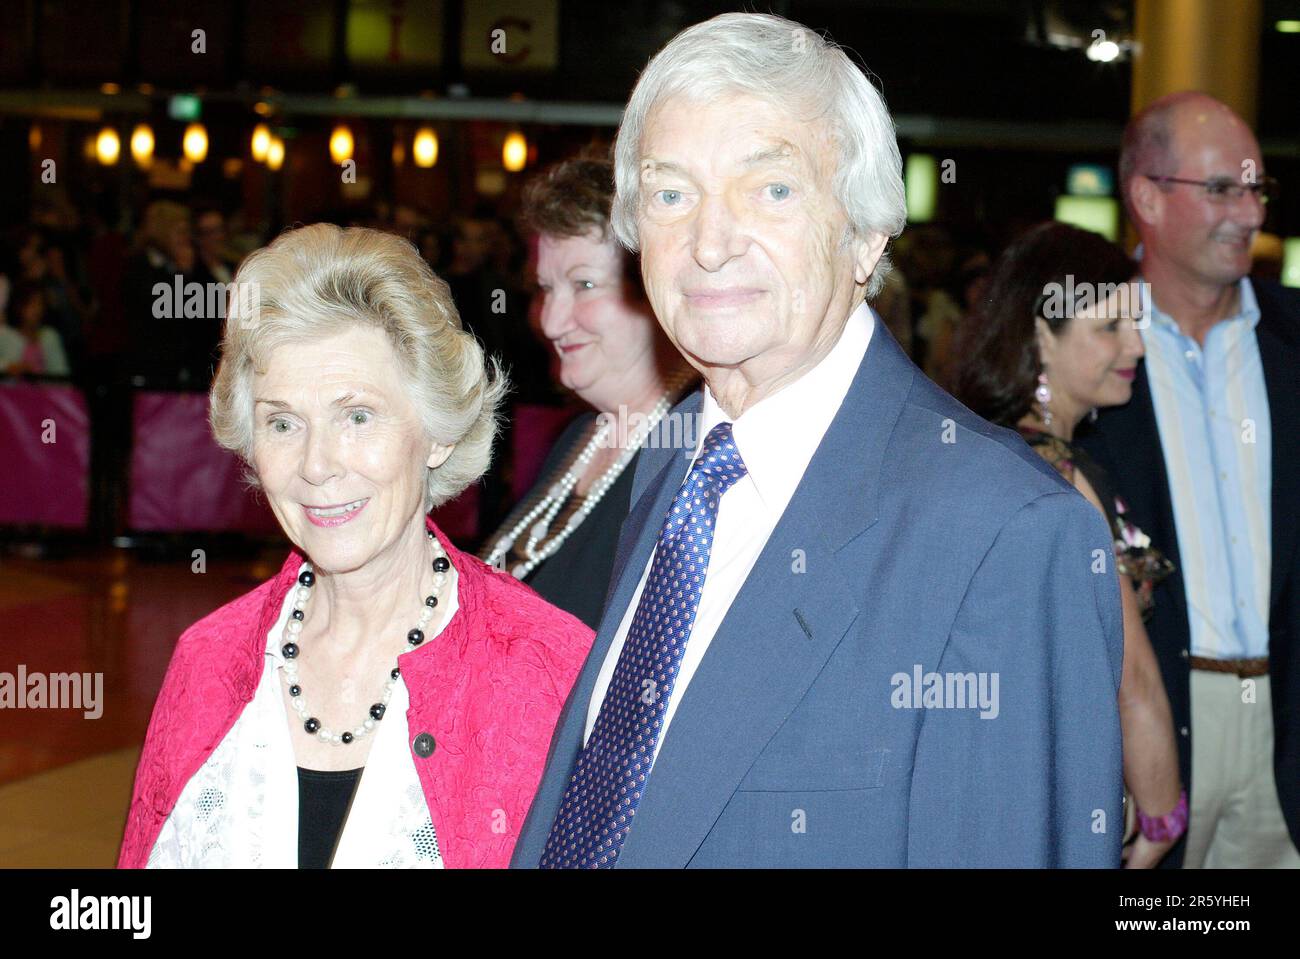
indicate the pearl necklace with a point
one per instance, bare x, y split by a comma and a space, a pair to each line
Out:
538, 519
293, 629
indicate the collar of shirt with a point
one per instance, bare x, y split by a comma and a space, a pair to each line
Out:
1247, 310
778, 435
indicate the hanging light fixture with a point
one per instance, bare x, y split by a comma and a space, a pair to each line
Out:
142, 144
275, 153
514, 153
341, 144
425, 148
108, 146
195, 143
260, 142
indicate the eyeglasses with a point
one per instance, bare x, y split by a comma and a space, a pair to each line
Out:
1224, 189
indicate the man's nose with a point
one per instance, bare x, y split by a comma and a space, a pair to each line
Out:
319, 456
719, 232
1249, 209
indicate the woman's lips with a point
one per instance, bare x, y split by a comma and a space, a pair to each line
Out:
1127, 374
333, 517
572, 348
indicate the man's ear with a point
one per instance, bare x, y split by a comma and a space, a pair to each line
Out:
438, 455
867, 251
1146, 200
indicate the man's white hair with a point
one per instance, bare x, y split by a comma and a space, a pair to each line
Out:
795, 69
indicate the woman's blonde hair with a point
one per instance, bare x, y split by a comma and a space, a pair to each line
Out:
320, 280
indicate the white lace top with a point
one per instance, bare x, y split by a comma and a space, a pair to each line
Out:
240, 810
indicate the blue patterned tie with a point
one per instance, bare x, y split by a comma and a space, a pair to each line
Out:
610, 774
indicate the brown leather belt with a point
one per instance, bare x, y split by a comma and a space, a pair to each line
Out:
1244, 668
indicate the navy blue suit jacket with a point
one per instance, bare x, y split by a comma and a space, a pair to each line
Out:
922, 539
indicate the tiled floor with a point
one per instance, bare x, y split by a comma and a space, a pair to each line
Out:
65, 779
67, 817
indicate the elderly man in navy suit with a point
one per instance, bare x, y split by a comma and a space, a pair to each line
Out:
855, 624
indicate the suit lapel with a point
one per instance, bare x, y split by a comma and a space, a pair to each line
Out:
782, 626
1280, 357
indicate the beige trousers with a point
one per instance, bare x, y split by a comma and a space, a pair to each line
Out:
1236, 819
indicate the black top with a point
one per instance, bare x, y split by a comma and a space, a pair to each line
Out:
576, 577
323, 800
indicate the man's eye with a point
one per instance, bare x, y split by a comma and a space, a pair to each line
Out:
669, 197
1219, 187
778, 191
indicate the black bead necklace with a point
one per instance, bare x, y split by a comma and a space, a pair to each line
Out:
293, 629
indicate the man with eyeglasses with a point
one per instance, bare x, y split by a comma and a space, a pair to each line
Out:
1204, 456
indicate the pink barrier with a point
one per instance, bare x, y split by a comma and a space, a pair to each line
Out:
45, 452
180, 478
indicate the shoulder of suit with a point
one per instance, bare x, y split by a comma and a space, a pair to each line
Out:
1281, 303
952, 443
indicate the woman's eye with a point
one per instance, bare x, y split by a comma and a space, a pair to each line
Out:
669, 197
583, 285
279, 426
777, 191
359, 417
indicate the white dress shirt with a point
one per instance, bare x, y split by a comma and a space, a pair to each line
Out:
1212, 411
776, 438
241, 808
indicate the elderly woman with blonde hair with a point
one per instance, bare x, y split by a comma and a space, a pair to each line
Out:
385, 700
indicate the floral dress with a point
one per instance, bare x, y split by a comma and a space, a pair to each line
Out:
1134, 555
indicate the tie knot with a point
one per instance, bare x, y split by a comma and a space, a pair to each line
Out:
719, 462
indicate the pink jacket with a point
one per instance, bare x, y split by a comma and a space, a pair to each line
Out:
489, 691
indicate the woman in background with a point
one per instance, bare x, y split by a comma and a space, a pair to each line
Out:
561, 538
1031, 361
27, 344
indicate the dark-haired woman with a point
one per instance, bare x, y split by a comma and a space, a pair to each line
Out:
1054, 339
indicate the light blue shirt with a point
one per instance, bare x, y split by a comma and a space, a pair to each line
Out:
1211, 408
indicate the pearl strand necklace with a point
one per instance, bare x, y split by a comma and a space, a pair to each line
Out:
290, 650
540, 517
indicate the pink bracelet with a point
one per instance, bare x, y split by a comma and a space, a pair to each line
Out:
1168, 827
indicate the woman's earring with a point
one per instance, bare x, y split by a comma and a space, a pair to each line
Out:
1092, 415
1044, 396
